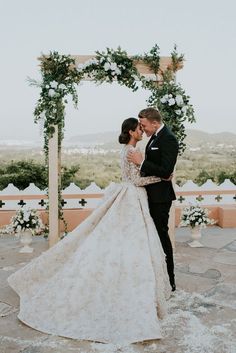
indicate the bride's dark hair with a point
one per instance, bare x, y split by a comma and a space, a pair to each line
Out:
127, 125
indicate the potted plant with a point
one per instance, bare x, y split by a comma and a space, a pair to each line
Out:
26, 223
195, 217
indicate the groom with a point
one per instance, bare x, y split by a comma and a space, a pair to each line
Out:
160, 158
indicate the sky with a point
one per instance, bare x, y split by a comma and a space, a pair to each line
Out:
204, 31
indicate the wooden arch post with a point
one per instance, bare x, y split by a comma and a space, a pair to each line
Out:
53, 185
55, 157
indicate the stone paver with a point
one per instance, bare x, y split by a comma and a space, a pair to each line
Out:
202, 312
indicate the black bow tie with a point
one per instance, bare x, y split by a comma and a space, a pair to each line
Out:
153, 137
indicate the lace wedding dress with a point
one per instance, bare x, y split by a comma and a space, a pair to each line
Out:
107, 280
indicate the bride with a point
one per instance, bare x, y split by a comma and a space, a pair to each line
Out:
107, 280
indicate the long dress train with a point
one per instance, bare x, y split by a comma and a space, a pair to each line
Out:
107, 280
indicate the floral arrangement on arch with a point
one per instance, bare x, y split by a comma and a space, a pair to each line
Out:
26, 219
175, 107
110, 66
167, 95
195, 215
59, 80
60, 75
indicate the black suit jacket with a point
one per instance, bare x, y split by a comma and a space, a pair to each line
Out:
160, 158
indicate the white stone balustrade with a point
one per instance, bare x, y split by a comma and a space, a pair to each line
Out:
207, 194
219, 198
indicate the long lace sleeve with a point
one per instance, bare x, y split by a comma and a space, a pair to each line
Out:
131, 173
137, 180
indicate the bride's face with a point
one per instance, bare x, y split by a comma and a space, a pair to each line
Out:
137, 134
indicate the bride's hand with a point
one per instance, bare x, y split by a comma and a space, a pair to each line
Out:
135, 157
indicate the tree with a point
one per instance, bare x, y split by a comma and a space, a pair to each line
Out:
22, 173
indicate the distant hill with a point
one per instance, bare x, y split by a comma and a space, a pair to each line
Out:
198, 137
103, 137
109, 140
194, 138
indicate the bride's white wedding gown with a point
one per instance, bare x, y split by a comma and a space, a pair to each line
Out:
107, 280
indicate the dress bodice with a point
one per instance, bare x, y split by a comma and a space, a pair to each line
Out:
130, 172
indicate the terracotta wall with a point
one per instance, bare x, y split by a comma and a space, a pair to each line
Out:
225, 216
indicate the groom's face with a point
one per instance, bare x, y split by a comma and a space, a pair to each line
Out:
148, 126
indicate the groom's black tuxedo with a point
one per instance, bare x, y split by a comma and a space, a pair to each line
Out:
160, 158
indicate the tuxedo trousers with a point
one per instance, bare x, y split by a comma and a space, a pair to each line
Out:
160, 215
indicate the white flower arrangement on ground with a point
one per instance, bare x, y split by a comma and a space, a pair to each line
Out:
195, 215
26, 219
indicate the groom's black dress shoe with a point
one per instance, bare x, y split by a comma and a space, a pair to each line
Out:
173, 286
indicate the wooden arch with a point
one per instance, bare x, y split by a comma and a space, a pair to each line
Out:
55, 158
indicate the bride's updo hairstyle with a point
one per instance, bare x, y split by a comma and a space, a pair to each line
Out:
127, 125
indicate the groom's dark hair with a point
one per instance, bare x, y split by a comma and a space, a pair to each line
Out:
150, 114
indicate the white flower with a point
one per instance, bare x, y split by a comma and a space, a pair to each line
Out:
117, 71
25, 218
113, 66
80, 67
179, 100
87, 63
62, 86
178, 112
94, 61
184, 109
163, 100
51, 93
53, 84
171, 101
195, 215
107, 66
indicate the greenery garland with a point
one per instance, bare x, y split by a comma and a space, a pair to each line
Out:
167, 95
110, 66
59, 79
60, 76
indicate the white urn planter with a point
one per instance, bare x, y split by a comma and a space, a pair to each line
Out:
26, 240
196, 235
